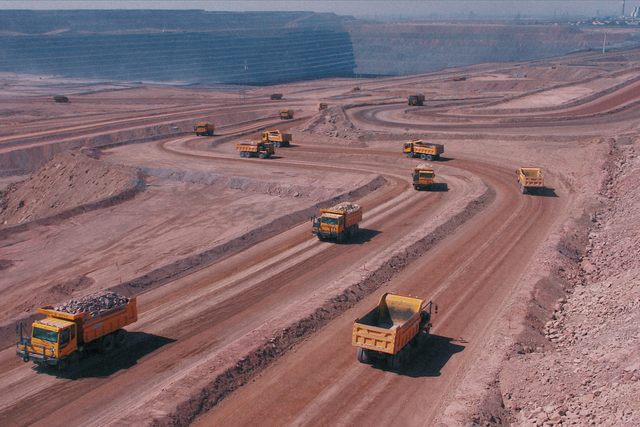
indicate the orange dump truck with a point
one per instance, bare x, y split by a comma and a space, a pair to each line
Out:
417, 99
204, 128
278, 138
338, 223
259, 149
398, 325
423, 176
65, 333
418, 147
530, 179
286, 114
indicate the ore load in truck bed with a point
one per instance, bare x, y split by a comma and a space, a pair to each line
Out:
93, 304
345, 207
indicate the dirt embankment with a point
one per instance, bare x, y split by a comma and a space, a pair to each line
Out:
69, 184
578, 360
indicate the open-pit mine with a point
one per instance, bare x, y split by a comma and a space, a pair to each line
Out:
245, 317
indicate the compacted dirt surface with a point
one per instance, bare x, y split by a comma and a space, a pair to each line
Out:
245, 317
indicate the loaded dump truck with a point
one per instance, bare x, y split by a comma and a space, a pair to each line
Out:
338, 223
417, 99
255, 149
427, 152
398, 325
69, 330
204, 128
530, 179
423, 176
278, 138
286, 114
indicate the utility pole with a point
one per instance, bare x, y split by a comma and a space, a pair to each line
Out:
604, 42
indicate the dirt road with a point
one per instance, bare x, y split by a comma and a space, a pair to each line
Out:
267, 324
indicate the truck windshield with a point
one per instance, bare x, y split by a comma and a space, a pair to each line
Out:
426, 175
43, 334
330, 221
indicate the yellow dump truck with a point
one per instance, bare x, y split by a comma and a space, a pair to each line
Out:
93, 322
276, 96
322, 106
204, 128
530, 179
278, 138
338, 223
417, 99
418, 147
423, 176
259, 149
398, 325
286, 114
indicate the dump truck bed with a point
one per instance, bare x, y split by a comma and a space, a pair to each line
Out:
390, 325
530, 177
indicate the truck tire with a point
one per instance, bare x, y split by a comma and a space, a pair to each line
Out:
523, 189
423, 156
262, 155
121, 338
416, 187
429, 157
108, 344
397, 360
277, 144
410, 155
363, 356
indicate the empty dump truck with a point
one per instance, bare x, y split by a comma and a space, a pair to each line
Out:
417, 99
338, 223
204, 128
425, 151
259, 149
92, 322
278, 138
60, 98
398, 325
286, 114
423, 176
276, 96
530, 179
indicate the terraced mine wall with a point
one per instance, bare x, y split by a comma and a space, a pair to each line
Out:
411, 48
189, 46
195, 46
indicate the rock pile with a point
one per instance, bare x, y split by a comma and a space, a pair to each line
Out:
93, 304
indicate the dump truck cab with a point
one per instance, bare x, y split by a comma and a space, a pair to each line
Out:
51, 340
322, 106
423, 177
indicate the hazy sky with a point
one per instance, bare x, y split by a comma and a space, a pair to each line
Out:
559, 8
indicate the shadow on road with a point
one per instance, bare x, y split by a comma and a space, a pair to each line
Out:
96, 365
543, 192
364, 235
428, 361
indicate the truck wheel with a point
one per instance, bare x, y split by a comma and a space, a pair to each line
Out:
397, 360
423, 156
363, 356
262, 155
416, 187
410, 155
429, 157
108, 344
121, 337
277, 144
523, 189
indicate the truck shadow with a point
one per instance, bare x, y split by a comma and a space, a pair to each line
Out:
363, 235
439, 186
544, 192
428, 361
97, 365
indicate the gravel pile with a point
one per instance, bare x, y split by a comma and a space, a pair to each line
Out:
424, 166
93, 304
345, 206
